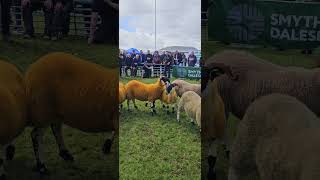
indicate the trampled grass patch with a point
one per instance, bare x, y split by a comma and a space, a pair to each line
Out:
157, 147
90, 162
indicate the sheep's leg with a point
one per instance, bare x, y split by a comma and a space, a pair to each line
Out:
63, 151
37, 135
2, 170
128, 103
10, 151
153, 107
227, 143
134, 103
178, 113
121, 106
232, 175
108, 143
172, 109
212, 158
146, 104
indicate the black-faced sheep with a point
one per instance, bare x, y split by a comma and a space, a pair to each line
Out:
145, 92
12, 109
279, 138
190, 102
64, 89
182, 86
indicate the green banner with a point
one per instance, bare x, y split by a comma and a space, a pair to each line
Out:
277, 23
187, 72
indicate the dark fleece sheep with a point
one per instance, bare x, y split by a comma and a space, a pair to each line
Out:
279, 138
12, 109
64, 89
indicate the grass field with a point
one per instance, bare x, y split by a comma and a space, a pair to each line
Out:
90, 162
157, 147
284, 58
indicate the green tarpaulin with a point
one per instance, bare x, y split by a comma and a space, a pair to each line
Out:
278, 23
187, 72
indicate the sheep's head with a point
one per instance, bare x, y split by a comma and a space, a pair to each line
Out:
213, 70
164, 80
170, 87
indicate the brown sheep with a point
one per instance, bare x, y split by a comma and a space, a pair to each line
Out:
145, 92
64, 89
12, 109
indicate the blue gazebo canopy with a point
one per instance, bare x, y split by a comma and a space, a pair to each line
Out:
131, 50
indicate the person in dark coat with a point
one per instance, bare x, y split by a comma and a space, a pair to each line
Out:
147, 65
192, 60
108, 30
134, 65
128, 62
5, 19
168, 61
121, 59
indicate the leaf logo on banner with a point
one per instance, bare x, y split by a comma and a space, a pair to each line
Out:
245, 22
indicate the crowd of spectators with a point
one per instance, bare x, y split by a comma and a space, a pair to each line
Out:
57, 19
134, 60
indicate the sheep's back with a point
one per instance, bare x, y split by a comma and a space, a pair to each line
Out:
143, 92
83, 94
191, 102
13, 102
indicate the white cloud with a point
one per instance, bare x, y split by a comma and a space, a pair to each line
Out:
178, 23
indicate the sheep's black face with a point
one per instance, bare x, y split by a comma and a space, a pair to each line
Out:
170, 87
165, 80
208, 74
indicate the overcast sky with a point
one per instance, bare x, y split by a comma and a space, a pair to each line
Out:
178, 23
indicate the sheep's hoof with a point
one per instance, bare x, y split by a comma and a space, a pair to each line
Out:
136, 107
121, 106
41, 169
163, 106
66, 155
3, 177
192, 123
107, 146
10, 152
146, 104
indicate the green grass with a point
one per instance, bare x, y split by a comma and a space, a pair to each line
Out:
90, 162
291, 57
157, 147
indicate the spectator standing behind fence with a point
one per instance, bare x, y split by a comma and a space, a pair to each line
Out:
142, 57
134, 65
192, 60
184, 60
148, 65
108, 30
128, 63
156, 58
168, 61
121, 59
56, 17
177, 58
5, 19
